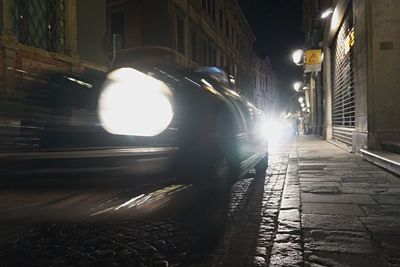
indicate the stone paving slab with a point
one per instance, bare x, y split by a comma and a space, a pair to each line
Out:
338, 241
331, 222
312, 183
328, 208
350, 210
381, 210
383, 225
320, 259
338, 198
389, 200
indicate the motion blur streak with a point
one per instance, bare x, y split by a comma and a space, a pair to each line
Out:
133, 103
147, 201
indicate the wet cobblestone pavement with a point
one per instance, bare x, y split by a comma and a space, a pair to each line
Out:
317, 205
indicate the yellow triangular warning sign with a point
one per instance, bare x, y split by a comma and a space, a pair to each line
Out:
313, 56
313, 59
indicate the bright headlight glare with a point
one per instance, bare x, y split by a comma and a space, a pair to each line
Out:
133, 103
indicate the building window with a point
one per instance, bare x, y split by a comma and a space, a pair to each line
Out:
204, 52
40, 24
193, 45
180, 34
213, 10
213, 56
209, 11
209, 8
117, 21
221, 19
227, 27
209, 54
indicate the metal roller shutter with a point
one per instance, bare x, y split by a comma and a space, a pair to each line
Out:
343, 99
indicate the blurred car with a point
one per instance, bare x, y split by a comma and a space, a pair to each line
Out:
188, 124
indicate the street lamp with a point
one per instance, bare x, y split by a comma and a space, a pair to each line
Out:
298, 57
326, 13
297, 86
301, 99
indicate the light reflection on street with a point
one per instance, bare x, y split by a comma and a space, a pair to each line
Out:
148, 201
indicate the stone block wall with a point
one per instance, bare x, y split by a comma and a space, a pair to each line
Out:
360, 136
384, 90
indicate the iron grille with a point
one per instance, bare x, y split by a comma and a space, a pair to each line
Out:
343, 101
343, 95
40, 23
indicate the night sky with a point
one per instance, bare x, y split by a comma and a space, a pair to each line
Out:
277, 25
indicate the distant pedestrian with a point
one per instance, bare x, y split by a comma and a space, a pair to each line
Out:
295, 125
306, 124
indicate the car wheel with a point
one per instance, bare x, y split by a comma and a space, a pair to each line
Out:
261, 166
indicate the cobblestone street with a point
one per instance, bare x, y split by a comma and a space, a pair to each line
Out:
318, 205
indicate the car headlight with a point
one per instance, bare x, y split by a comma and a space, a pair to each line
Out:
133, 103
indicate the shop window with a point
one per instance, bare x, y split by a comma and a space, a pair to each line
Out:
40, 23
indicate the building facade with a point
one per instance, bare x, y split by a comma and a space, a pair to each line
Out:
61, 35
271, 94
186, 33
355, 97
259, 81
265, 84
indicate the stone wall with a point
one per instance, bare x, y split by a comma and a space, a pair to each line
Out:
2, 71
91, 31
384, 90
360, 18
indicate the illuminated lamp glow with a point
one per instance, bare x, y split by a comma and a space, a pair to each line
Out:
326, 13
133, 103
297, 86
297, 56
301, 99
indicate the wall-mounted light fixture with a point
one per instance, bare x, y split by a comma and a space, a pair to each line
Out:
326, 13
297, 86
298, 57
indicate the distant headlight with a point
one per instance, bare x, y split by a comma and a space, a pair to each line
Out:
133, 103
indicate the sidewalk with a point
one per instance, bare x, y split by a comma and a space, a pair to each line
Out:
336, 210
